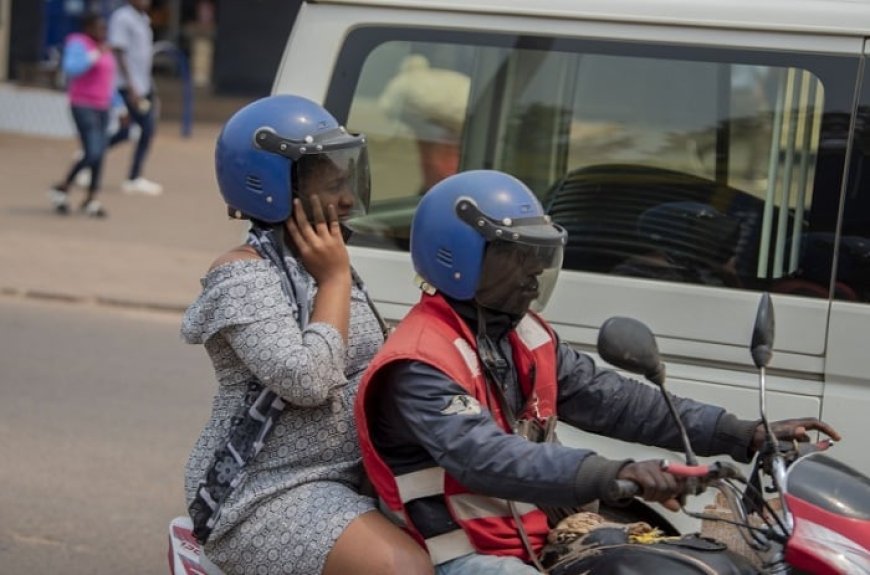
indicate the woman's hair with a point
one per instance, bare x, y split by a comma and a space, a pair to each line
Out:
89, 19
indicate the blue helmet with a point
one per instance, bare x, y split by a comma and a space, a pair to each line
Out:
467, 217
263, 148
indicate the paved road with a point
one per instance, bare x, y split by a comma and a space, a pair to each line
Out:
99, 408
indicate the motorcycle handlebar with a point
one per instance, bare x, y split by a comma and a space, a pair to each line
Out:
681, 470
622, 491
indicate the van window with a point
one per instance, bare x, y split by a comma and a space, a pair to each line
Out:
676, 163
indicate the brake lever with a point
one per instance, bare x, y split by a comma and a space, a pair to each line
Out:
793, 450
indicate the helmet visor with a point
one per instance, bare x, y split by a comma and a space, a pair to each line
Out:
339, 178
518, 276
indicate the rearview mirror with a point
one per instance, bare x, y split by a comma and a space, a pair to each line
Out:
630, 345
762, 333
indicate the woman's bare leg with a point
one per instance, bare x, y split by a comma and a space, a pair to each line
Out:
372, 545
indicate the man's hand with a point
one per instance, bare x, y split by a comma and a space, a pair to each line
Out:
793, 430
655, 483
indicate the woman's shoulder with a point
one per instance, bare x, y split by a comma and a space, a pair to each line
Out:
241, 265
243, 252
236, 290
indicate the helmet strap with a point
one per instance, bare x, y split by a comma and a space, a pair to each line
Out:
494, 364
269, 241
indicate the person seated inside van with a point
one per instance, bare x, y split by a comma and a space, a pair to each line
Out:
689, 242
431, 102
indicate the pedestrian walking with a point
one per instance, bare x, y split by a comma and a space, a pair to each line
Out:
90, 68
132, 41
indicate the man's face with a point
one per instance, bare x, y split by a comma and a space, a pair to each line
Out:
509, 278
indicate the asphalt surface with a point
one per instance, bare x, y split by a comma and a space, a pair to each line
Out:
99, 408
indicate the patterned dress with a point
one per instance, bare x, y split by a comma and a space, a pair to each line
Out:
300, 492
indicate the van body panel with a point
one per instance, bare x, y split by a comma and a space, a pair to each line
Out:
324, 19
846, 401
703, 332
811, 17
681, 311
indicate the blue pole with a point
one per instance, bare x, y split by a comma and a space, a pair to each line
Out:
186, 84
187, 95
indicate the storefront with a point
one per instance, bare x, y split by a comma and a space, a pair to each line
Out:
239, 58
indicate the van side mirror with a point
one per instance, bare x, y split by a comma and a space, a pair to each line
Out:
762, 333
630, 345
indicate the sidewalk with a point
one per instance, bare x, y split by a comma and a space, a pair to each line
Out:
150, 252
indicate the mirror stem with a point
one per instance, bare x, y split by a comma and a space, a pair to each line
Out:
778, 468
691, 459
762, 397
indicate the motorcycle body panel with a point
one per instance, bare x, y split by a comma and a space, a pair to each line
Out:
185, 553
830, 505
688, 555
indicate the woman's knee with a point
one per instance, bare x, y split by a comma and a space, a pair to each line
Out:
372, 544
407, 560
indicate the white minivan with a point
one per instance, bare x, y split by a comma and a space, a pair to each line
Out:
698, 152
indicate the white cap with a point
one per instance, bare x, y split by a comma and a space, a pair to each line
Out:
431, 101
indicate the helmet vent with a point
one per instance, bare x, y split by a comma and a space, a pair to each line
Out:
254, 183
444, 257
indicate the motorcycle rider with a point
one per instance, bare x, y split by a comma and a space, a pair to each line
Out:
274, 482
472, 362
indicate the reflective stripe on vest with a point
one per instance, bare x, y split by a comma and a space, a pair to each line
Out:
419, 484
469, 506
427, 483
531, 333
447, 546
463, 507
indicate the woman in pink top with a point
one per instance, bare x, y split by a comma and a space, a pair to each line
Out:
90, 68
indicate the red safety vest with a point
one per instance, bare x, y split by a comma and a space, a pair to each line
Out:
434, 334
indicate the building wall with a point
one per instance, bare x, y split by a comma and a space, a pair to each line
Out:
26, 35
5, 15
249, 41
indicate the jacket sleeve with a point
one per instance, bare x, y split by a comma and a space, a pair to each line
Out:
604, 402
420, 407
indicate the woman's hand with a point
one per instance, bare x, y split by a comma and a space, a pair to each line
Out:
321, 249
793, 430
319, 244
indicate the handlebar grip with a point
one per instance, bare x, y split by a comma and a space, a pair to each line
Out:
680, 470
622, 491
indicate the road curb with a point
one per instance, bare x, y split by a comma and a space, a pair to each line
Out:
93, 300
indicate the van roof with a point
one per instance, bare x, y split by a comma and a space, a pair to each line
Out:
838, 17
